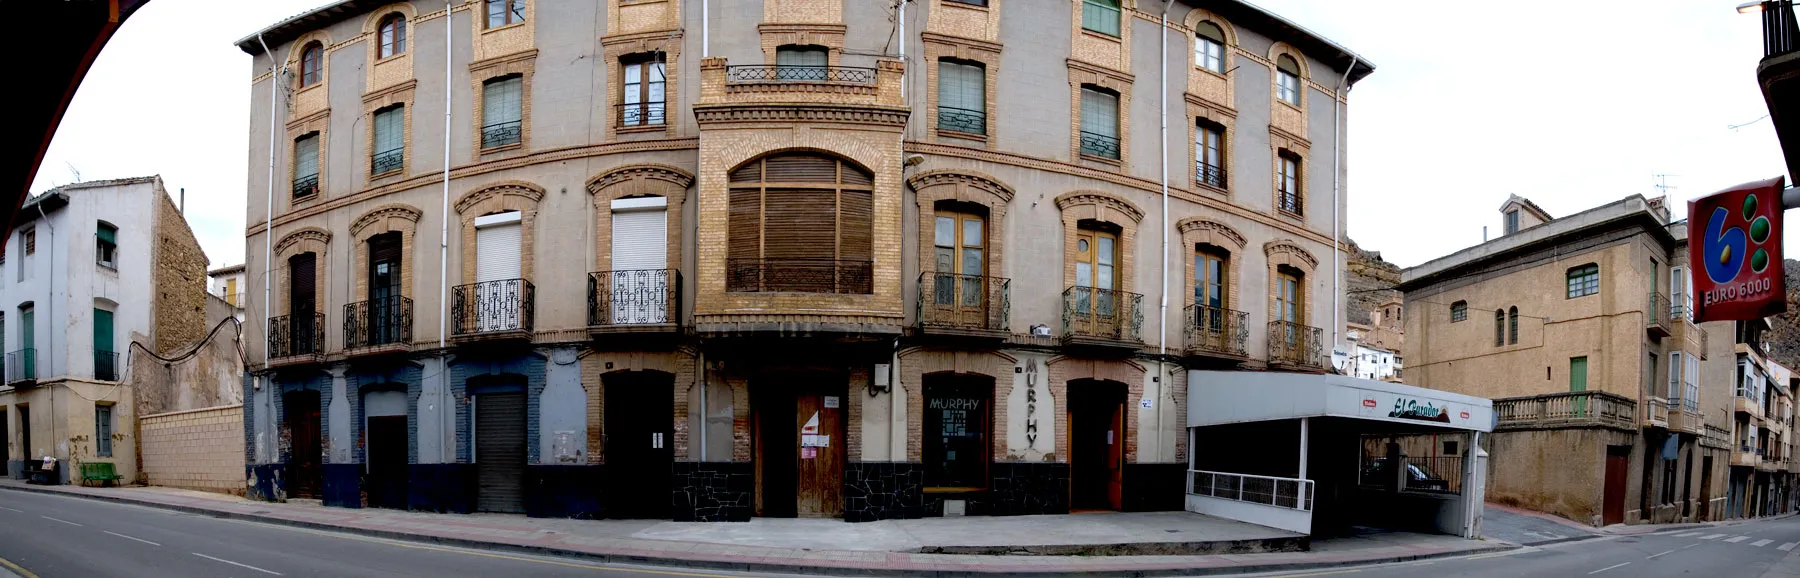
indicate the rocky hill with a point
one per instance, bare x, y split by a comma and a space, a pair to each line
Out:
1370, 279
1784, 340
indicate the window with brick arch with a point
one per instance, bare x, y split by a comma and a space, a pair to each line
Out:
312, 64
800, 222
393, 35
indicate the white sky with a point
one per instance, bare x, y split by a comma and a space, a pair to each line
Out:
1571, 104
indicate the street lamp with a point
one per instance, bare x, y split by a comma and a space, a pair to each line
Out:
1750, 7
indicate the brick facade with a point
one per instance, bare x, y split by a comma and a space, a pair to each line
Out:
197, 450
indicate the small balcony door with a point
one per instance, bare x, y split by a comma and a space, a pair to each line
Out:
1289, 305
384, 289
1096, 253
640, 249
497, 242
28, 342
302, 302
960, 289
1209, 292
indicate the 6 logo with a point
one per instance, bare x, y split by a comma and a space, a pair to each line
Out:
1726, 247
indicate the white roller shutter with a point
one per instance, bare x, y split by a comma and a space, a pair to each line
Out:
497, 241
639, 253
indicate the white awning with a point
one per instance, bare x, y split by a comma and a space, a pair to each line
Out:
1225, 397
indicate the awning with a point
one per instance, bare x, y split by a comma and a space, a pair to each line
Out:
1225, 397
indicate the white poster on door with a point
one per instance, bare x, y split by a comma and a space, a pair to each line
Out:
812, 425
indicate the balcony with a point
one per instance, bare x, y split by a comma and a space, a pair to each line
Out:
296, 339
1779, 75
965, 306
378, 326
799, 73
1746, 456
832, 89
962, 120
634, 115
1656, 413
1684, 334
1296, 347
1716, 437
1685, 419
493, 311
1289, 202
799, 276
106, 366
1574, 409
502, 134
635, 302
1102, 319
387, 161
1747, 406
21, 368
1656, 316
1209, 174
1099, 145
305, 186
1218, 333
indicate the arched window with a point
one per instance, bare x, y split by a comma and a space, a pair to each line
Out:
393, 35
1512, 325
312, 64
802, 222
1499, 327
1287, 80
1459, 311
1209, 47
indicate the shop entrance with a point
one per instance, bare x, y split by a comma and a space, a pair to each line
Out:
385, 431
640, 416
499, 443
799, 445
301, 408
1096, 444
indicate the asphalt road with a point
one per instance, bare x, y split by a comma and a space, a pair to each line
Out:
55, 536
1743, 550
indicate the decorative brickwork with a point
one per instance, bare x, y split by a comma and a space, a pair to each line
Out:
939, 47
385, 219
1285, 252
915, 364
1105, 208
968, 187
637, 16
1284, 116
307, 240
395, 69
1129, 373
1202, 110
523, 64
1113, 52
305, 101
664, 181
617, 48
962, 20
1197, 231
1212, 88
396, 94
498, 198
1086, 74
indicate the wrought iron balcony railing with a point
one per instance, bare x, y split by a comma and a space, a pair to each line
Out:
962, 120
1216, 330
21, 365
106, 366
634, 297
1103, 314
799, 73
967, 302
1099, 145
299, 334
1289, 202
800, 276
1659, 314
1295, 344
502, 134
1209, 174
493, 307
306, 185
635, 114
387, 161
382, 321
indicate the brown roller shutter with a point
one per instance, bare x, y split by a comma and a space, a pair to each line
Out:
745, 224
856, 224
801, 168
749, 173
800, 242
301, 288
856, 176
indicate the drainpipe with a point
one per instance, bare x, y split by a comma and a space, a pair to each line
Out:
269, 205
1162, 319
705, 28
446, 454
900, 14
1337, 155
705, 411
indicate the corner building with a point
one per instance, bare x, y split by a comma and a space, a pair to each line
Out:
762, 265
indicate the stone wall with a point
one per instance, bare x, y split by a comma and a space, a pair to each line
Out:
201, 449
206, 374
1369, 282
1784, 339
179, 282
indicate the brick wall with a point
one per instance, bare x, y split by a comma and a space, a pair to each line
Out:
201, 449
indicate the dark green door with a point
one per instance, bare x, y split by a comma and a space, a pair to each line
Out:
28, 345
105, 362
1578, 383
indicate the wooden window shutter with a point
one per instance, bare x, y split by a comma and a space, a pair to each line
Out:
797, 224
856, 226
801, 168
749, 173
856, 176
744, 225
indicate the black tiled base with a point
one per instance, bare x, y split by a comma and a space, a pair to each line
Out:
883, 491
713, 491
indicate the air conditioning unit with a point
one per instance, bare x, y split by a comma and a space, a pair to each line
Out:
1040, 331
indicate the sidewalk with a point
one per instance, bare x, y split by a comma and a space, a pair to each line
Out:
888, 548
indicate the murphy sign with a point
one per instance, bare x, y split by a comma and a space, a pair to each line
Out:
1734, 245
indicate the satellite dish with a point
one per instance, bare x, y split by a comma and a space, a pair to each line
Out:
1339, 358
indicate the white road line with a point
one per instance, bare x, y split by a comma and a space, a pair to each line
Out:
11, 510
1736, 539
1688, 534
1608, 568
1692, 545
58, 520
235, 563
1712, 537
131, 538
1761, 543
1786, 547
1653, 556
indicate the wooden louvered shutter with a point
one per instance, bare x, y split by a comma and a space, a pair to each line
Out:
856, 241
801, 168
797, 232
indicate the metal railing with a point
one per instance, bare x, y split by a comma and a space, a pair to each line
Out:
962, 120
301, 334
1660, 312
1434, 474
1289, 201
642, 114
1295, 344
1103, 313
1217, 330
1780, 31
799, 73
502, 133
964, 301
1209, 174
381, 321
634, 297
1567, 408
493, 306
1290, 493
387, 161
21, 365
1099, 145
106, 366
800, 276
306, 185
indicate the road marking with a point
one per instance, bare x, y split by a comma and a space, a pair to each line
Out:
1688, 534
1653, 556
235, 563
1283, 575
1736, 539
59, 520
1787, 546
1692, 545
1761, 543
1712, 537
11, 510
1608, 568
131, 538
22, 572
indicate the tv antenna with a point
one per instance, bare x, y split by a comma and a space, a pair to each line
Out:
1662, 184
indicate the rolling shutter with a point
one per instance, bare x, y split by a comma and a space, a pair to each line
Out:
497, 249
798, 223
301, 286
639, 234
856, 226
500, 452
745, 227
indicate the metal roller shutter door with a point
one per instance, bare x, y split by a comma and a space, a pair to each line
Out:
500, 452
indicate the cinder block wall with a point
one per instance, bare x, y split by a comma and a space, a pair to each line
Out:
201, 449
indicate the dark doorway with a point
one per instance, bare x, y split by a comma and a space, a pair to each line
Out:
1618, 460
25, 433
799, 444
640, 455
302, 301
1706, 479
384, 288
5, 438
301, 408
387, 461
500, 452
1687, 487
1096, 444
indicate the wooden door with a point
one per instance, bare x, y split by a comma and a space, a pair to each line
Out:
1096, 419
304, 444
777, 444
1096, 253
1115, 458
960, 288
387, 461
820, 475
302, 302
1578, 383
1617, 461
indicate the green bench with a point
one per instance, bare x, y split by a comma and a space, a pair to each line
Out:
99, 472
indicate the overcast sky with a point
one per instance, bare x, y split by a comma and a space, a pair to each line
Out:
1571, 104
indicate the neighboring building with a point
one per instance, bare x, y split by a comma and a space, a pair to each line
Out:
227, 283
1368, 357
91, 268
1579, 329
1761, 480
809, 273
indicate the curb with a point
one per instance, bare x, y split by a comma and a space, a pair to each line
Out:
764, 567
